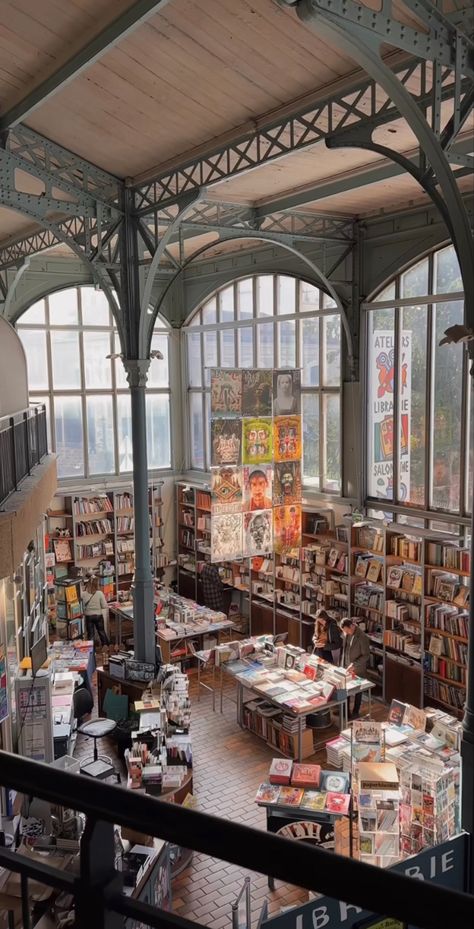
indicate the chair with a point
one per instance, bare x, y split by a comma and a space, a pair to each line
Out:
83, 702
205, 661
100, 766
115, 706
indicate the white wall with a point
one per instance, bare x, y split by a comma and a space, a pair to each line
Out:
13, 373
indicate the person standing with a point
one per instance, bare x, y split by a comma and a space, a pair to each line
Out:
212, 588
355, 655
95, 610
327, 638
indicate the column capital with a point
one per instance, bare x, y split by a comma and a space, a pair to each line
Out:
136, 371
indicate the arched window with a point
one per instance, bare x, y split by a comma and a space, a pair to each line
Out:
271, 321
423, 387
67, 338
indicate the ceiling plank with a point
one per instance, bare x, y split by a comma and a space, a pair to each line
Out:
106, 39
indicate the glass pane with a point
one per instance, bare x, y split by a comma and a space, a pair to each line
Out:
34, 343
332, 470
226, 305
207, 413
194, 359
286, 342
309, 297
158, 372
209, 312
124, 432
265, 345
328, 302
100, 435
196, 319
412, 404
34, 316
309, 348
415, 282
196, 427
65, 355
446, 415
97, 369
69, 438
447, 274
158, 430
227, 341
63, 308
380, 362
95, 307
245, 298
120, 376
265, 295
245, 344
310, 408
286, 291
332, 350
210, 354
388, 293
45, 400
470, 457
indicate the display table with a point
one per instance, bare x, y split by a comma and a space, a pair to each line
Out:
170, 643
120, 613
132, 689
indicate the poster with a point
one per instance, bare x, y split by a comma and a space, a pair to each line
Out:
3, 685
226, 391
258, 535
286, 528
226, 534
381, 438
287, 438
226, 489
287, 483
257, 390
258, 484
286, 392
257, 440
226, 441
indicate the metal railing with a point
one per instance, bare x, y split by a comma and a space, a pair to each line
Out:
23, 443
97, 889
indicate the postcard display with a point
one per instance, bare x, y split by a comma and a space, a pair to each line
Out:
256, 446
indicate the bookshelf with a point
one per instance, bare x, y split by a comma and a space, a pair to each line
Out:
410, 589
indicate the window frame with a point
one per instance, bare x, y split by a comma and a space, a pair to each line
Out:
195, 326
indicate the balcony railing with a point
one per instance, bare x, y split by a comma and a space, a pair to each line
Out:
97, 890
23, 443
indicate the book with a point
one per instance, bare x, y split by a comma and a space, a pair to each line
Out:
267, 793
280, 771
62, 550
378, 776
361, 566
396, 713
337, 803
375, 567
394, 576
335, 781
314, 800
305, 775
291, 796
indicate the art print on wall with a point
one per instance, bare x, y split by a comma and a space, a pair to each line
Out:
287, 438
258, 536
287, 483
226, 391
226, 537
226, 440
226, 489
286, 528
286, 392
257, 393
257, 440
258, 482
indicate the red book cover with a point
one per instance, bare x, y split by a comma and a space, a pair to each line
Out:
317, 701
337, 803
291, 796
306, 775
309, 671
280, 771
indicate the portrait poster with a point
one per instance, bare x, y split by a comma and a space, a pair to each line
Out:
286, 392
258, 482
257, 440
286, 528
226, 391
226, 489
226, 537
258, 535
287, 438
257, 388
287, 483
226, 441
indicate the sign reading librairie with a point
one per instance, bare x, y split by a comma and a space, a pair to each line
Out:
255, 462
381, 399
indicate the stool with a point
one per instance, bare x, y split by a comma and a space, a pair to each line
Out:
101, 766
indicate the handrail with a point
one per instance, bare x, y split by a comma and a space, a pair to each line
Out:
374, 889
23, 443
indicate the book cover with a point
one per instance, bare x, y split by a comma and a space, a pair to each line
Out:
267, 793
62, 550
394, 576
291, 796
361, 566
305, 775
332, 559
280, 771
415, 718
396, 713
314, 800
337, 802
335, 781
378, 776
375, 568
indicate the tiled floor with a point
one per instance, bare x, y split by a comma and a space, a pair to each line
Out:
229, 763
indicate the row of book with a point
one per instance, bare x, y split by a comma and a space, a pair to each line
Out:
125, 567
451, 696
402, 642
449, 619
366, 597
448, 556
203, 523
187, 518
444, 667
99, 504
369, 568
406, 548
445, 647
445, 587
125, 524
124, 501
406, 578
369, 537
186, 538
125, 545
95, 550
95, 527
402, 610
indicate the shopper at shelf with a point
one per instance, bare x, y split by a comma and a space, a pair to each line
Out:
355, 656
327, 638
95, 611
212, 588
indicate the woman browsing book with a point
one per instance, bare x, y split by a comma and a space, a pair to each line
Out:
327, 638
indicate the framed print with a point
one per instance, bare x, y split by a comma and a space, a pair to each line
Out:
257, 440
287, 438
258, 483
226, 441
257, 393
226, 489
287, 483
258, 533
226, 537
226, 391
286, 392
